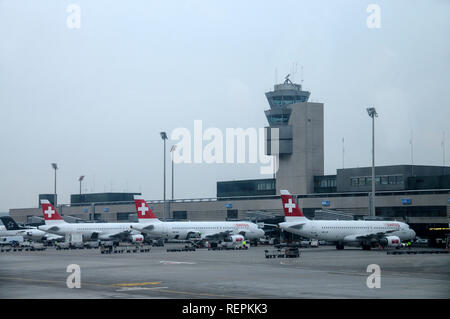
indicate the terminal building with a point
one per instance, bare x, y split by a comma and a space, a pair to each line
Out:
416, 194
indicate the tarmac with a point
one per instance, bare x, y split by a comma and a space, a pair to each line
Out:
322, 272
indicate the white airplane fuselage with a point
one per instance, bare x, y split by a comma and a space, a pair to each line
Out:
346, 231
182, 230
27, 233
88, 229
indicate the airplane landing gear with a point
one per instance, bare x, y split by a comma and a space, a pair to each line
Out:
339, 246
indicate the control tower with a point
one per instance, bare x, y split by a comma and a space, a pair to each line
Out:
300, 137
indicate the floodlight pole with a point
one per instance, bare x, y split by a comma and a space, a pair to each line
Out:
373, 113
55, 167
373, 167
164, 137
80, 179
171, 152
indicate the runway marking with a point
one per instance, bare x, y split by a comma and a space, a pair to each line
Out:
162, 289
137, 284
168, 262
51, 281
204, 294
140, 288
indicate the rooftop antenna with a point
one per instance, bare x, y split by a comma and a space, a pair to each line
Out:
343, 153
286, 79
412, 156
294, 70
301, 75
443, 148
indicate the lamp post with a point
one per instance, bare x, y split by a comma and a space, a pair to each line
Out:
55, 167
171, 155
164, 137
80, 179
373, 114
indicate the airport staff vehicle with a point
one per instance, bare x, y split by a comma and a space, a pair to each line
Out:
11, 240
366, 234
234, 232
284, 252
96, 231
11, 228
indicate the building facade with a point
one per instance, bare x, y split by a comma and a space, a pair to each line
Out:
296, 127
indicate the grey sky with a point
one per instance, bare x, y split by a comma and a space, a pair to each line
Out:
94, 99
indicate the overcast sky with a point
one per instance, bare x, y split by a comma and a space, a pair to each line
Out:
94, 99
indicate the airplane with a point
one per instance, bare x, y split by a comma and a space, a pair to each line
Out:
11, 228
366, 234
90, 231
226, 231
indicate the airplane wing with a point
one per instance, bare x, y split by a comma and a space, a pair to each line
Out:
53, 237
217, 235
52, 229
119, 235
144, 229
297, 225
377, 235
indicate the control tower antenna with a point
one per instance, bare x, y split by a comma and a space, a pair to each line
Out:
301, 75
412, 154
294, 71
443, 148
286, 79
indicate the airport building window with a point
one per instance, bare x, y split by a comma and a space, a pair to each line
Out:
362, 181
412, 211
325, 184
279, 119
179, 214
246, 188
391, 180
266, 186
123, 216
383, 180
232, 214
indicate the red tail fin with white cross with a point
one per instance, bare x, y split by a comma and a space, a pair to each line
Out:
51, 216
290, 207
144, 212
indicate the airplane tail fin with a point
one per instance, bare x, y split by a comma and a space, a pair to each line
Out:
10, 224
144, 212
291, 209
51, 216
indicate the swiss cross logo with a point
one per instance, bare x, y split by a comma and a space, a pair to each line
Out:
143, 209
290, 206
49, 212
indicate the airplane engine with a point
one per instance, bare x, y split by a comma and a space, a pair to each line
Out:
137, 238
391, 241
237, 238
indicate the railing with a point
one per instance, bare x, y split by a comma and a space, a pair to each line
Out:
262, 197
